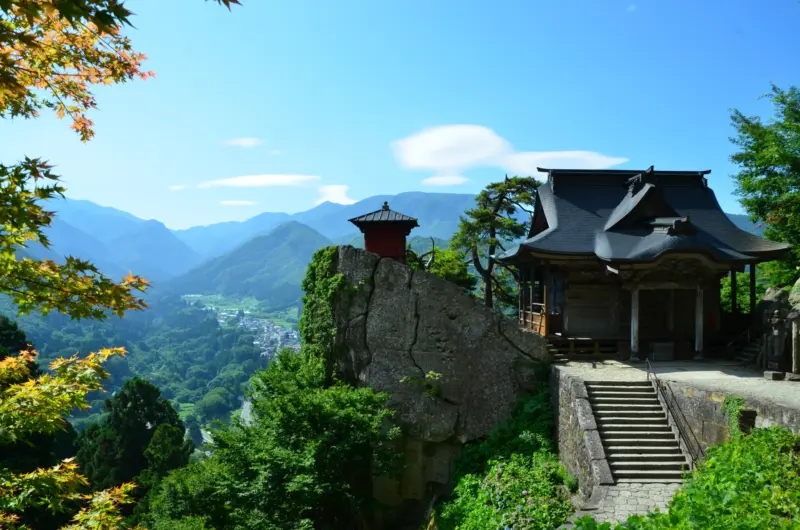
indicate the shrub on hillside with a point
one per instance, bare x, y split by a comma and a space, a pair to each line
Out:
513, 479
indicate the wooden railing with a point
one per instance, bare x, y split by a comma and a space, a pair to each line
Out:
535, 321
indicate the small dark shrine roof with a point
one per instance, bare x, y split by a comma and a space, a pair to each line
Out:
384, 215
636, 216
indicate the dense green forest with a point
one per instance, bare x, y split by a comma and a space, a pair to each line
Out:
199, 364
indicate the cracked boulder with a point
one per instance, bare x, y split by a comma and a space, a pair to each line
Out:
453, 368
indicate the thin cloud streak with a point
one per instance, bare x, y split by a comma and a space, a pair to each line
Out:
260, 181
246, 142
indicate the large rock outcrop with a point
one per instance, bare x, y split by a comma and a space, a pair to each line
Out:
394, 327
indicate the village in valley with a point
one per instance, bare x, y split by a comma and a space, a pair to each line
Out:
272, 333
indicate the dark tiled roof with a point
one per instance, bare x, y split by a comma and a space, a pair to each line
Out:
617, 218
384, 215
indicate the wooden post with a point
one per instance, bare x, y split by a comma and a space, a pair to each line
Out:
635, 322
752, 290
699, 320
734, 307
671, 314
521, 296
795, 346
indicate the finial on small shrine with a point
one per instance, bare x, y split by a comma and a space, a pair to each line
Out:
385, 205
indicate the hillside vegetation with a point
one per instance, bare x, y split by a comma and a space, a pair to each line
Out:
269, 268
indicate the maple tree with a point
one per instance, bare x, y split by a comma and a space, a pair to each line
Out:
52, 53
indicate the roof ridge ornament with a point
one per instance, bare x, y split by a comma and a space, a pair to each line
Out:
637, 182
681, 227
385, 206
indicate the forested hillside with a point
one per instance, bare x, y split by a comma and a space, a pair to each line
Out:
268, 267
198, 363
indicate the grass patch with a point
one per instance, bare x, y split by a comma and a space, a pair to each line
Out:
184, 409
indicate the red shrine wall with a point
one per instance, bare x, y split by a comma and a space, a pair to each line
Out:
387, 242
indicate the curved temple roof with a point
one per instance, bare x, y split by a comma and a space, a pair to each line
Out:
637, 216
384, 216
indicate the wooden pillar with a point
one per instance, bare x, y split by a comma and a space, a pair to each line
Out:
734, 307
699, 320
752, 289
520, 294
546, 306
671, 314
635, 322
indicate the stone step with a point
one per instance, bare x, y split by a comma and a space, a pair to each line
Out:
623, 390
651, 457
615, 436
618, 383
619, 389
649, 474
641, 444
657, 465
626, 400
648, 427
646, 449
606, 421
649, 481
645, 415
599, 408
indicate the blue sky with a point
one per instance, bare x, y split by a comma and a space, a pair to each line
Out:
278, 105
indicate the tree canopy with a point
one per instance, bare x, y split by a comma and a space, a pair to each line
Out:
489, 227
768, 181
52, 52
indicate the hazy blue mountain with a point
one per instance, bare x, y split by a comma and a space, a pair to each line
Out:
67, 240
438, 213
153, 251
118, 242
103, 222
269, 267
216, 239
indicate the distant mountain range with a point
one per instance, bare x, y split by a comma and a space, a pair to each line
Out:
264, 256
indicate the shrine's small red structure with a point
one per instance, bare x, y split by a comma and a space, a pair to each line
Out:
385, 232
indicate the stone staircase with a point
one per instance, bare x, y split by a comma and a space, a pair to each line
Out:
748, 352
639, 443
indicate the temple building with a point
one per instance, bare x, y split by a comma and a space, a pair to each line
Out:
631, 262
385, 232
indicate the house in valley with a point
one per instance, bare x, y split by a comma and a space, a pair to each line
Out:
631, 261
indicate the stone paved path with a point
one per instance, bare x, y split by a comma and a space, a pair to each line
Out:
628, 499
713, 376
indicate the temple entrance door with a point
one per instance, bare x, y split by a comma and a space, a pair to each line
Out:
666, 322
655, 316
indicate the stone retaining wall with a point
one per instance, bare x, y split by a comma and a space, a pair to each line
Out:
704, 414
579, 444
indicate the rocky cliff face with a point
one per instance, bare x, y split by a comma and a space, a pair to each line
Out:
452, 367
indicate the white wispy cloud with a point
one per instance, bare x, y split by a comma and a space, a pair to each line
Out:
335, 193
238, 203
260, 181
445, 180
245, 142
449, 150
177, 187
